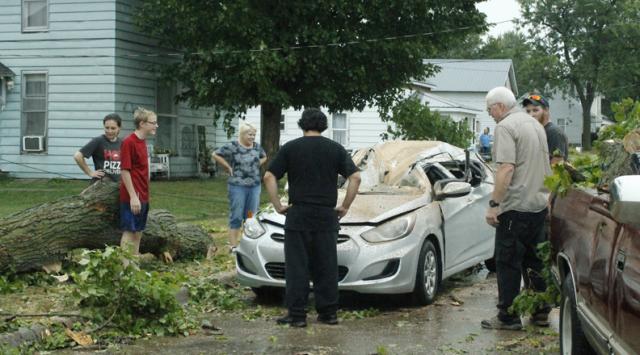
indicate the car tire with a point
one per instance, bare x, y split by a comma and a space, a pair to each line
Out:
490, 264
268, 293
572, 338
428, 275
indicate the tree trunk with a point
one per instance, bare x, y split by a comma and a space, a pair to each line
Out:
270, 126
586, 124
46, 233
616, 161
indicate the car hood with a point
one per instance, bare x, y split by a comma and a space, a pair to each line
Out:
375, 208
369, 208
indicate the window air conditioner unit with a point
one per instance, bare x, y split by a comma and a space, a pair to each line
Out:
33, 143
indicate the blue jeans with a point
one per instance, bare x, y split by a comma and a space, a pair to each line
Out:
242, 201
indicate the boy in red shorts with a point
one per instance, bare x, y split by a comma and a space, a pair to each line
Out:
134, 180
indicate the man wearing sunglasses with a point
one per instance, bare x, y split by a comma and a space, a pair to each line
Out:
538, 107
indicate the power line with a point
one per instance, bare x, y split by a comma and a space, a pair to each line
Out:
170, 54
179, 197
254, 50
37, 169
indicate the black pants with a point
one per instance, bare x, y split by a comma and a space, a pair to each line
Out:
311, 253
517, 238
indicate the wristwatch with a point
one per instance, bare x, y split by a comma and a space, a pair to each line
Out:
493, 203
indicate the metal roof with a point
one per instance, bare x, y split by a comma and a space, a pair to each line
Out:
443, 104
472, 75
4, 71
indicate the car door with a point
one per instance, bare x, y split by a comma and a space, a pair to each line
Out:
625, 300
468, 238
603, 244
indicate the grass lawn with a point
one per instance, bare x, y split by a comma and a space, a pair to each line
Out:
199, 201
194, 200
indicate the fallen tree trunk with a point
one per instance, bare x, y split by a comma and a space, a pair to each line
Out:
46, 233
616, 161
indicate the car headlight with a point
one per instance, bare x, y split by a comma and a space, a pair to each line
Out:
253, 228
392, 230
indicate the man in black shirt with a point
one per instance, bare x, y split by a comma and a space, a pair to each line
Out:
312, 164
538, 107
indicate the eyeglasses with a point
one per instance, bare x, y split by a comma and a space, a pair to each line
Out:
489, 108
155, 123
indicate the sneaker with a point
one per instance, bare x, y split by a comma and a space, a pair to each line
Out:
540, 319
496, 323
331, 319
292, 322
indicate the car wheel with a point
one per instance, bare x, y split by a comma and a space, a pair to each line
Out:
268, 293
490, 264
572, 338
427, 275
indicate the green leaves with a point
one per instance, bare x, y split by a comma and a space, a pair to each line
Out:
359, 314
560, 181
596, 45
529, 301
584, 171
11, 282
627, 116
414, 121
211, 294
124, 294
334, 53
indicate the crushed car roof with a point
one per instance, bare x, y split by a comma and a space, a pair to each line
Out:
386, 163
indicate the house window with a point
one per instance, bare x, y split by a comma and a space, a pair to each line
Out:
562, 123
339, 128
35, 15
282, 122
166, 136
34, 111
3, 94
188, 142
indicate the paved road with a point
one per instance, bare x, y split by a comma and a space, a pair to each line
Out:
450, 326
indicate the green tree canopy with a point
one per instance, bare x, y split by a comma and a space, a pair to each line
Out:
534, 67
595, 42
412, 120
340, 54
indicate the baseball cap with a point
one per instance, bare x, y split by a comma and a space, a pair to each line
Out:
536, 100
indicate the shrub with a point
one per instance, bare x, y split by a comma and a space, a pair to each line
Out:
414, 121
128, 298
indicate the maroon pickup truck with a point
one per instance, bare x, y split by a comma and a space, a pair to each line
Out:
595, 238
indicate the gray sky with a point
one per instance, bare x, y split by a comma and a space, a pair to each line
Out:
500, 10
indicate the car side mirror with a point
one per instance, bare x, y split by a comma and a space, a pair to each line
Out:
625, 199
444, 189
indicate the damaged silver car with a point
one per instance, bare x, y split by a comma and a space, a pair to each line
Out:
418, 219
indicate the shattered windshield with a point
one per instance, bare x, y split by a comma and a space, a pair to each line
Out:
398, 167
395, 175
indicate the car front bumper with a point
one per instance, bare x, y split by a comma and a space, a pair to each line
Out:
388, 268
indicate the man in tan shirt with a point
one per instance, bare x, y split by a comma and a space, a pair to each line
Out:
518, 204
